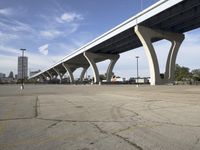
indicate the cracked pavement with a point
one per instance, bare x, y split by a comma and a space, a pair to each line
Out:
93, 117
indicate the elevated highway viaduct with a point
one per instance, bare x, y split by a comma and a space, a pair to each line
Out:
166, 19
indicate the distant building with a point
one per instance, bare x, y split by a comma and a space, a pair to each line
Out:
11, 75
144, 80
34, 72
2, 75
22, 67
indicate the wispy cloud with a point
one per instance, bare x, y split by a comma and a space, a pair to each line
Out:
60, 25
8, 63
44, 49
12, 25
192, 38
69, 17
6, 11
50, 34
5, 37
8, 49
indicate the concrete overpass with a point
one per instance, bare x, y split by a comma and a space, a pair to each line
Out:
166, 19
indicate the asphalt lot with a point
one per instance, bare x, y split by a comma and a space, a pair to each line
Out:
93, 117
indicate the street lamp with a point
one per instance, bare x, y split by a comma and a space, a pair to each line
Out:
22, 77
137, 57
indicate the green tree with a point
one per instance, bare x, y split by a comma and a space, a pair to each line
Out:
182, 73
196, 74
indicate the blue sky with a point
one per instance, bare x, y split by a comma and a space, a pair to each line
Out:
65, 25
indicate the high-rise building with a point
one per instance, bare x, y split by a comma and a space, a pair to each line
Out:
11, 75
2, 75
22, 67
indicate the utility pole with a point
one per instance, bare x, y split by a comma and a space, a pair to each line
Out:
22, 77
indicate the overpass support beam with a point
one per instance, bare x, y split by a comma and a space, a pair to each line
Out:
69, 71
44, 77
58, 73
113, 61
146, 35
92, 58
50, 76
38, 79
83, 73
41, 78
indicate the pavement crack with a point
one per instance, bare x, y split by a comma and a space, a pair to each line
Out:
174, 124
36, 107
54, 124
87, 121
11, 119
118, 136
127, 141
100, 130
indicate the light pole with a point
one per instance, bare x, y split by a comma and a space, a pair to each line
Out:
137, 57
22, 77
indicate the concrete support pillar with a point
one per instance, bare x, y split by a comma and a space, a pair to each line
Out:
61, 78
58, 74
113, 61
41, 78
69, 71
50, 76
38, 79
44, 77
92, 58
146, 35
83, 73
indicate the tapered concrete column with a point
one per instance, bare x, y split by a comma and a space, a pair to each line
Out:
146, 35
83, 73
92, 58
58, 73
44, 77
41, 78
113, 61
51, 77
61, 78
69, 71
171, 60
38, 79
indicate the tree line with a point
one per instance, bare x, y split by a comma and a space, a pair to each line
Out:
184, 74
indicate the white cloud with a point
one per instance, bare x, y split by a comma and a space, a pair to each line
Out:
9, 49
8, 63
6, 11
69, 17
5, 37
44, 49
50, 34
63, 48
12, 25
191, 38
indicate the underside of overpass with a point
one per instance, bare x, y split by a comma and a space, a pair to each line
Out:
170, 24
